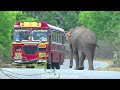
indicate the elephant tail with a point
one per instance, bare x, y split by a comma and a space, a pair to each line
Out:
97, 45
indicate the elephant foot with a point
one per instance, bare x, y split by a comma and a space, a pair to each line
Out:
90, 68
76, 68
70, 66
80, 68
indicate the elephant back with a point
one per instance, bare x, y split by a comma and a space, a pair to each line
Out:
84, 35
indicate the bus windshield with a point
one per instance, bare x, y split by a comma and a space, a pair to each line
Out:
39, 35
22, 35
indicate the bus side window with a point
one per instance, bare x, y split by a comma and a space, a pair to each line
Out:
50, 33
49, 36
60, 37
57, 37
63, 39
53, 36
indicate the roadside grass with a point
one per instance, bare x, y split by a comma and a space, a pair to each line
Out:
111, 66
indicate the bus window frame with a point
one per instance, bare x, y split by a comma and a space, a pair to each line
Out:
40, 29
49, 36
17, 29
63, 38
57, 36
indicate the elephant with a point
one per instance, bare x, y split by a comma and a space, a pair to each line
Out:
83, 43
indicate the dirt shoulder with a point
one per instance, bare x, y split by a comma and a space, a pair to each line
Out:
108, 68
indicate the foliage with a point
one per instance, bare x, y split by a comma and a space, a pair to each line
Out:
104, 23
24, 17
7, 19
63, 19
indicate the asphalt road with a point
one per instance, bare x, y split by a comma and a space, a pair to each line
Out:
64, 73
97, 64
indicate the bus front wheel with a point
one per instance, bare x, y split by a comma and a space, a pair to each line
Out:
48, 66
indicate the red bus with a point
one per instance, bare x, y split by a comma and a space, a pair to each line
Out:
38, 42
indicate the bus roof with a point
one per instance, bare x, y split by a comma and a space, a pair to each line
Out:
39, 24
54, 27
31, 24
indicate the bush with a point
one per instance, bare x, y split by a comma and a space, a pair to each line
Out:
105, 51
116, 63
5, 54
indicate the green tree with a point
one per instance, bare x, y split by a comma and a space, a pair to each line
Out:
105, 24
63, 19
7, 20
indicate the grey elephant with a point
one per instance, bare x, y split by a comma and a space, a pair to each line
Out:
82, 44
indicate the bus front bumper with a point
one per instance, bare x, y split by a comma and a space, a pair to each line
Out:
29, 62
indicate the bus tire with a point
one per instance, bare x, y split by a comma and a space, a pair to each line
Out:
57, 65
52, 64
32, 67
48, 66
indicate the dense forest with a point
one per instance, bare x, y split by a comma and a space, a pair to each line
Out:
104, 23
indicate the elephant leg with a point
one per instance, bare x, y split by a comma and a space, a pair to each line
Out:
81, 61
76, 56
90, 61
90, 57
71, 56
71, 60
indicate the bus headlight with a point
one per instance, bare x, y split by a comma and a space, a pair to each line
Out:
42, 55
18, 55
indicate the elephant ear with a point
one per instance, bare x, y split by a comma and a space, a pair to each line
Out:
68, 35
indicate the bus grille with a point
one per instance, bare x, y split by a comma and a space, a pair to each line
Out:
42, 49
17, 47
30, 49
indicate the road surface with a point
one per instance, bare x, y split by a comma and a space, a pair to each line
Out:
64, 73
97, 64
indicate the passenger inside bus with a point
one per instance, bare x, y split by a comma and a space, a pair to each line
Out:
39, 36
21, 35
